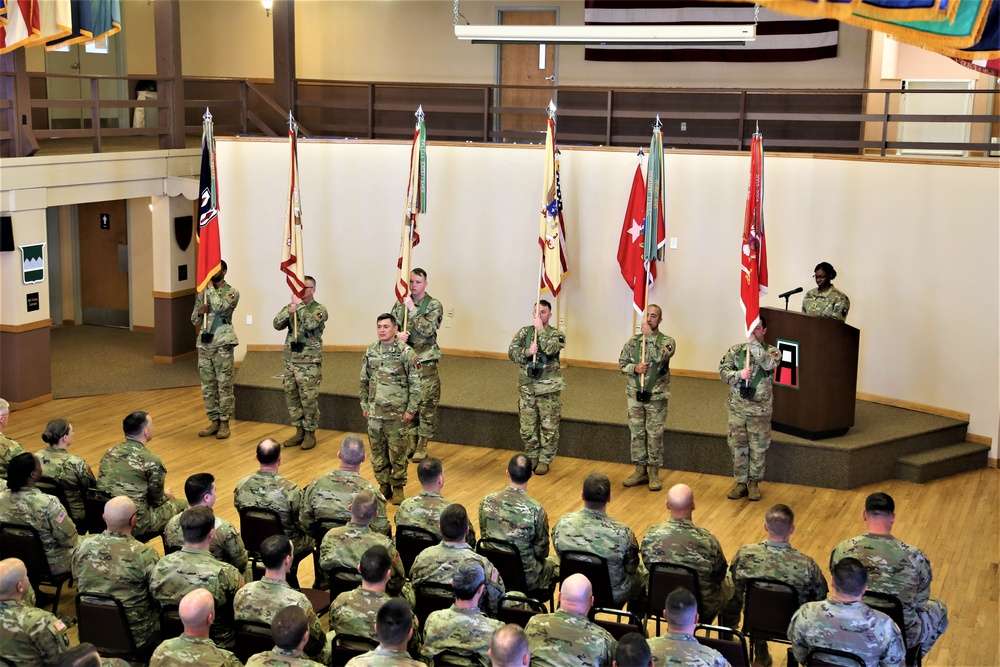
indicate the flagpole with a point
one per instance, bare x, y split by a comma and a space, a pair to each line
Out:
551, 111
409, 220
293, 130
206, 127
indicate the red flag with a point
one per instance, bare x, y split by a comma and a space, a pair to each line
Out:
209, 245
630, 245
292, 259
753, 281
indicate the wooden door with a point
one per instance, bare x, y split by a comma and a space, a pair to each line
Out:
103, 57
103, 242
526, 65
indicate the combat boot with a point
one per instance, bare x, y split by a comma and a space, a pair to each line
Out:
637, 478
397, 495
411, 445
211, 429
738, 491
309, 441
753, 493
534, 463
296, 440
761, 654
654, 479
421, 453
223, 430
385, 490
542, 468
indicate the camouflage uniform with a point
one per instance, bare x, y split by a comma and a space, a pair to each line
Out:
596, 532
681, 542
896, 568
9, 448
772, 560
187, 650
390, 386
73, 474
436, 565
227, 545
568, 639
831, 303
749, 419
354, 612
326, 500
31, 507
279, 657
260, 601
457, 627
181, 572
674, 648
268, 490
538, 401
303, 370
30, 636
344, 546
424, 511
514, 516
847, 626
130, 469
120, 565
382, 657
646, 421
423, 323
215, 358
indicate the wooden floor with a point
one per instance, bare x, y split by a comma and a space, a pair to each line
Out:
955, 520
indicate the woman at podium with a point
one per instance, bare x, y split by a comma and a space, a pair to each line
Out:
826, 300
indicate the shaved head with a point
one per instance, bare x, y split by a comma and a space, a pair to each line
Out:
12, 572
576, 591
196, 607
118, 513
680, 500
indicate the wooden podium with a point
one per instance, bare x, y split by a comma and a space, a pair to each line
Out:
816, 384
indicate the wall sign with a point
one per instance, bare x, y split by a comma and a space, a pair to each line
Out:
33, 263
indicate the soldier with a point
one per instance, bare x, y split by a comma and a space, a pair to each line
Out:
192, 567
645, 359
681, 542
423, 314
115, 563
896, 568
536, 349
290, 630
633, 651
227, 545
9, 448
750, 405
28, 635
72, 473
774, 558
305, 320
509, 647
463, 625
567, 638
591, 529
213, 313
514, 516
436, 565
845, 623
390, 393
678, 646
130, 469
262, 601
394, 626
826, 300
194, 647
424, 510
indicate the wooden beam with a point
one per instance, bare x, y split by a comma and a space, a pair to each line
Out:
170, 82
18, 89
283, 17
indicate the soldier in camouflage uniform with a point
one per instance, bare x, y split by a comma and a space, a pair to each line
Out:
9, 448
130, 469
567, 638
845, 623
680, 542
591, 529
26, 505
463, 625
436, 565
227, 545
194, 647
390, 394
213, 314
536, 349
424, 510
291, 632
774, 558
679, 646
422, 314
750, 405
28, 635
261, 601
115, 563
514, 516
645, 359
509, 647
303, 362
394, 625
71, 472
826, 300
192, 567
896, 568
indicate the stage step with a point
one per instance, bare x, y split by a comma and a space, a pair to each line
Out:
942, 462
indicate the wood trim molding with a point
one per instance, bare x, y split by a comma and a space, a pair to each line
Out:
37, 400
160, 359
910, 405
979, 439
174, 295
481, 354
142, 329
992, 463
21, 328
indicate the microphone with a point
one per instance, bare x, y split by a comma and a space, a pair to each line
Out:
789, 293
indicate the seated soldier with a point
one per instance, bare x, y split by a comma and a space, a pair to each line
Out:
290, 631
567, 637
194, 647
424, 509
28, 635
394, 626
678, 645
462, 626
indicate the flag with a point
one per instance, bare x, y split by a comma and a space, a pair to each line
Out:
416, 203
634, 269
552, 234
209, 246
292, 260
655, 229
753, 253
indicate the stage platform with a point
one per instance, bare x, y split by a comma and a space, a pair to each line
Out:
479, 408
